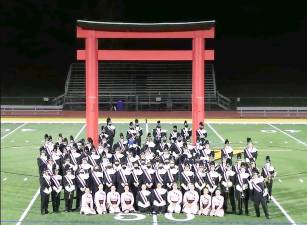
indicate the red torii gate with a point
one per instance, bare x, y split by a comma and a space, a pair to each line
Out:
93, 30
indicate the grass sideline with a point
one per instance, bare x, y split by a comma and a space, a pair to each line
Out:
19, 183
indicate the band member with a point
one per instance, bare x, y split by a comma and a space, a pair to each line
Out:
175, 134
148, 176
143, 199
139, 132
159, 199
201, 132
113, 200
227, 151
45, 190
110, 130
56, 184
127, 200
100, 200
124, 178
206, 153
212, 178
187, 176
160, 175
171, 174
186, 132
250, 152
257, 186
200, 177
69, 190
96, 178
174, 199
42, 162
190, 200
157, 133
217, 204
103, 134
109, 177
269, 173
82, 182
87, 205
242, 192
137, 179
227, 187
205, 203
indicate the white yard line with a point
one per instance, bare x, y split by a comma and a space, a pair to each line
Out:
13, 131
285, 133
284, 211
273, 199
154, 220
216, 133
25, 213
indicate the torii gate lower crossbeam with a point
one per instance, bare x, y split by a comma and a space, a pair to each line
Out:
197, 31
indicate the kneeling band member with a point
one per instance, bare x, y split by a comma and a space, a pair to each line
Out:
205, 203
174, 199
127, 200
190, 200
217, 204
87, 205
159, 199
100, 200
143, 199
113, 200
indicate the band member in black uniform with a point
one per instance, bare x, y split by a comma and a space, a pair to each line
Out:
160, 175
158, 196
201, 132
82, 182
268, 172
186, 132
175, 134
259, 193
123, 177
69, 190
227, 151
42, 162
186, 177
110, 130
242, 189
56, 183
148, 176
157, 133
228, 186
139, 132
96, 178
250, 151
143, 200
109, 177
45, 190
213, 179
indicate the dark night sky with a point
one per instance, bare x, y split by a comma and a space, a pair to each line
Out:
259, 44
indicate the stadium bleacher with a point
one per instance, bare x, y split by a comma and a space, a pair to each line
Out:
142, 85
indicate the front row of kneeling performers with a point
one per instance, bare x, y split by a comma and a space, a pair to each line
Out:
159, 200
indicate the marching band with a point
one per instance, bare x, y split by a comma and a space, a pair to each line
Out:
161, 176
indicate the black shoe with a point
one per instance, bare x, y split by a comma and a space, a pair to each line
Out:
246, 213
268, 217
46, 212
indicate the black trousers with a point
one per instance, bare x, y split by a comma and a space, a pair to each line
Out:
44, 202
159, 209
269, 185
55, 198
78, 198
242, 201
261, 201
68, 196
231, 197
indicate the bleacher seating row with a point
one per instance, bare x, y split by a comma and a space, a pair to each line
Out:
140, 83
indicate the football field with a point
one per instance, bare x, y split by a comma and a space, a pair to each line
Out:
285, 141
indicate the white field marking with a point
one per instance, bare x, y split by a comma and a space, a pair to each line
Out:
7, 130
146, 128
25, 179
271, 142
301, 180
279, 180
285, 142
293, 131
294, 138
256, 142
268, 131
27, 129
24, 214
283, 211
154, 220
4, 179
171, 217
27, 141
275, 202
12, 141
13, 131
216, 133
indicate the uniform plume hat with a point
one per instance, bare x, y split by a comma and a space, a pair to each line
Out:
248, 140
226, 141
267, 158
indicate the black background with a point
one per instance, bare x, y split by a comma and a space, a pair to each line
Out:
260, 45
